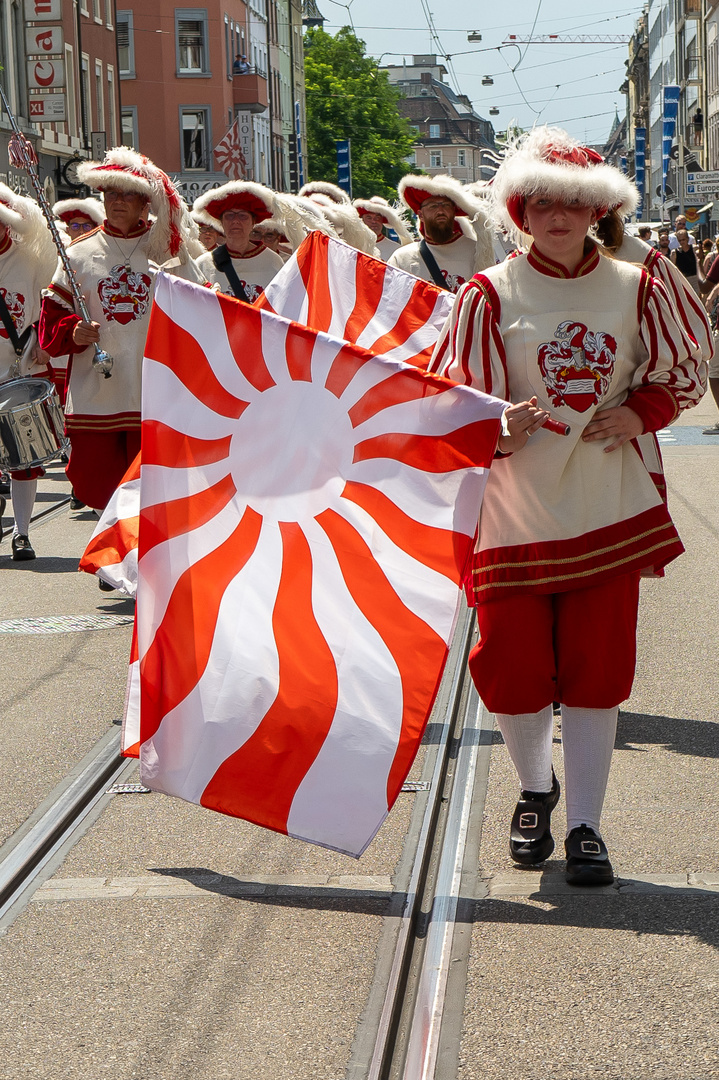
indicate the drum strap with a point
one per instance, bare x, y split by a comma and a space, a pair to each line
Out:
221, 259
18, 343
431, 263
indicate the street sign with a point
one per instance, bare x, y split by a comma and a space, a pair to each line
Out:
98, 144
703, 177
702, 189
44, 41
47, 109
45, 74
43, 10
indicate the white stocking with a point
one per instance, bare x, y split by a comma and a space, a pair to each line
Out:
22, 493
528, 737
587, 743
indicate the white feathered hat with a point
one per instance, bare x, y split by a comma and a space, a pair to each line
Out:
257, 199
27, 226
548, 161
322, 187
393, 218
92, 209
124, 169
203, 219
413, 190
300, 216
347, 223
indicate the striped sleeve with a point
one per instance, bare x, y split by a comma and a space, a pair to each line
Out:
688, 305
673, 375
470, 349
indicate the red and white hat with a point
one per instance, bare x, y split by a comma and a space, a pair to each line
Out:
322, 187
392, 217
123, 169
413, 190
257, 199
90, 209
346, 222
28, 228
548, 161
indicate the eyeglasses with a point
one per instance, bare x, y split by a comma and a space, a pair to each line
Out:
237, 215
81, 226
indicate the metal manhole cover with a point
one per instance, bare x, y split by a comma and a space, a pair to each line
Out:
64, 624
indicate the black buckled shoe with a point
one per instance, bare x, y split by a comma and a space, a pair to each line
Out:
22, 549
587, 859
530, 840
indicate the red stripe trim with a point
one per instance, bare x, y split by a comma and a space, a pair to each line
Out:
649, 539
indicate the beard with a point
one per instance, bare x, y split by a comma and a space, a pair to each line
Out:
437, 233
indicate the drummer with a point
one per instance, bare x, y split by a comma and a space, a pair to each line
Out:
114, 266
27, 259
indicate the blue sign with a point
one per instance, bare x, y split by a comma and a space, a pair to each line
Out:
344, 166
671, 112
298, 133
640, 153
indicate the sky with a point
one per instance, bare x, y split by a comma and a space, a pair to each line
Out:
573, 85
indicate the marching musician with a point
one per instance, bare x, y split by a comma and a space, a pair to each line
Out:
239, 266
567, 524
27, 259
379, 216
447, 253
115, 267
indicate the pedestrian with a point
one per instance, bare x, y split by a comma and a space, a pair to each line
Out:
568, 523
663, 242
684, 257
644, 233
239, 267
379, 216
708, 254
446, 254
240, 65
27, 260
680, 222
115, 269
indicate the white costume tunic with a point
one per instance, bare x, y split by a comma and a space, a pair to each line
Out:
119, 299
562, 514
387, 248
22, 280
454, 259
255, 270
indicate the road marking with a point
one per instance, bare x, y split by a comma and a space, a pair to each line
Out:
64, 624
536, 884
191, 886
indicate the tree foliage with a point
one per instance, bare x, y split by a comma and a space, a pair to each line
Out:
348, 97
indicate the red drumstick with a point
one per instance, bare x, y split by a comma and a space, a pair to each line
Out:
556, 426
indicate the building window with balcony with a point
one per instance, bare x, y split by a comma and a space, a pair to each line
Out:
434, 131
191, 41
435, 159
195, 129
126, 44
462, 158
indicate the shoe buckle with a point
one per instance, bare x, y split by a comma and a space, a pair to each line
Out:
528, 821
590, 847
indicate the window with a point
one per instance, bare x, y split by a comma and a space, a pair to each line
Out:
84, 10
126, 44
129, 126
96, 10
195, 128
85, 94
111, 112
70, 91
435, 159
434, 131
99, 99
461, 157
191, 39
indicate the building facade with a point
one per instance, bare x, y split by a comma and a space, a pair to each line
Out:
61, 79
451, 137
181, 90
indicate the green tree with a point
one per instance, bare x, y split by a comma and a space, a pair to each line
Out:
348, 97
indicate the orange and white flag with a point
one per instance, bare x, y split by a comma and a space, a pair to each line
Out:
307, 515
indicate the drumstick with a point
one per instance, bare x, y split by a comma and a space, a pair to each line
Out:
556, 426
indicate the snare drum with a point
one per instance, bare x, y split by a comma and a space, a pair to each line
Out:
31, 424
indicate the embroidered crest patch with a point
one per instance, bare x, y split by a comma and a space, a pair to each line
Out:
124, 295
253, 292
15, 303
577, 366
